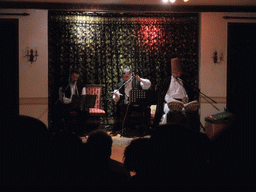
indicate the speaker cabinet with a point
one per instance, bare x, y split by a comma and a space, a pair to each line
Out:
212, 130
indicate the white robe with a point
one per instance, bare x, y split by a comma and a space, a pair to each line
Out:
176, 90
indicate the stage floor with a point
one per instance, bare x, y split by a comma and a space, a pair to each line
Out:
118, 146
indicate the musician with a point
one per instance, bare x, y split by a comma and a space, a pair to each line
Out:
73, 86
122, 92
172, 89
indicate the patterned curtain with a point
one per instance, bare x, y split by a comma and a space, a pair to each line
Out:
100, 45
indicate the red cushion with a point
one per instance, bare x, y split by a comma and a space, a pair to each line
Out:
95, 110
94, 91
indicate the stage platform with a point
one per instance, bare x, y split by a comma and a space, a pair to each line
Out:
118, 146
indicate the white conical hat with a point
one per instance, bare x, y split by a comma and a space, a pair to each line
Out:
176, 67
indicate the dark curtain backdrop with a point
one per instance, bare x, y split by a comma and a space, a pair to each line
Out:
100, 45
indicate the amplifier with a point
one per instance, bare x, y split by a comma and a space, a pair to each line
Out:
219, 117
215, 124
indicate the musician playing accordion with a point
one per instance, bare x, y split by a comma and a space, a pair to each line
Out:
122, 92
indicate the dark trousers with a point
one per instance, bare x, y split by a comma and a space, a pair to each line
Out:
70, 120
132, 118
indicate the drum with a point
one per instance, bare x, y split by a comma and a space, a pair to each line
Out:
191, 106
175, 105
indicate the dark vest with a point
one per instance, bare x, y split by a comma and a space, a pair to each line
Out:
67, 89
135, 85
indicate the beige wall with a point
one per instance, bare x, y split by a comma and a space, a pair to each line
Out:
33, 81
213, 77
33, 32
33, 78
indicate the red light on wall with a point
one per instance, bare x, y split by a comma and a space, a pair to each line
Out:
151, 35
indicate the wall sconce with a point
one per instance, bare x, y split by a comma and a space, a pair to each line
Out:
31, 55
173, 1
217, 59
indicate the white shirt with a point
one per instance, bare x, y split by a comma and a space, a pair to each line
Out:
144, 83
73, 89
176, 90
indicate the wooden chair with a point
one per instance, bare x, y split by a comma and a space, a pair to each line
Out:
96, 114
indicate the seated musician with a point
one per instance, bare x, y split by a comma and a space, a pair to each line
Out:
172, 90
122, 93
73, 86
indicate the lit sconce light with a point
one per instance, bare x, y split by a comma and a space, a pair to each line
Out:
31, 55
173, 1
215, 57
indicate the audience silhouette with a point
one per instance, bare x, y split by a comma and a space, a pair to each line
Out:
25, 153
173, 157
65, 160
138, 157
181, 155
104, 171
232, 164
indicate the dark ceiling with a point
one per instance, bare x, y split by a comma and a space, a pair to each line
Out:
124, 8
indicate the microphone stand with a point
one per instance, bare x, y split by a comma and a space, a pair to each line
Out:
202, 94
198, 91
